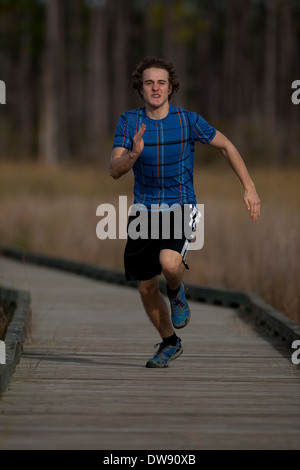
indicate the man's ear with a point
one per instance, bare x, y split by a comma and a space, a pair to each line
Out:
170, 90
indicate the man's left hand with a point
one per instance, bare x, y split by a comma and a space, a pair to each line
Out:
252, 202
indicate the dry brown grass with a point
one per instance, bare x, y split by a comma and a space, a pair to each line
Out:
54, 212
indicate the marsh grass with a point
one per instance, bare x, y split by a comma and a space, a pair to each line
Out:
53, 211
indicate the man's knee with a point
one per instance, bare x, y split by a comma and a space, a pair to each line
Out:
148, 289
171, 263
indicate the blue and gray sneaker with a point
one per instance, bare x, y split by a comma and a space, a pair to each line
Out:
165, 354
180, 310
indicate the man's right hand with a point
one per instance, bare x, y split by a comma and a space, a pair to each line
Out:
122, 159
138, 142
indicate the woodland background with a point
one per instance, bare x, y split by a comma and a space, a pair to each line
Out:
67, 66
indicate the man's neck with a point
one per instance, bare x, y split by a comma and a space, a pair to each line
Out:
157, 113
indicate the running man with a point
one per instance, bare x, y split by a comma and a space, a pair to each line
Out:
157, 142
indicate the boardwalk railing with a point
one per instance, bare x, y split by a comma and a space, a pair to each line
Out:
263, 314
19, 301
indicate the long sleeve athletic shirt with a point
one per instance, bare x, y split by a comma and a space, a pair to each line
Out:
163, 173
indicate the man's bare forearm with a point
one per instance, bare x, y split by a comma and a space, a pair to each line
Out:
121, 165
236, 162
122, 160
234, 158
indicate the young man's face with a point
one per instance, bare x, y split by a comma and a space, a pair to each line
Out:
156, 87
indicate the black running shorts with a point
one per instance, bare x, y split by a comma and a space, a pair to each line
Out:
150, 232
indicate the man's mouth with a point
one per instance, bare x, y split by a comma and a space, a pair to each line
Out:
156, 96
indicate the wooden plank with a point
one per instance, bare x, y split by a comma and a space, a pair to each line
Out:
82, 381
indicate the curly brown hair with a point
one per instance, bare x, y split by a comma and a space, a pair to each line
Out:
147, 63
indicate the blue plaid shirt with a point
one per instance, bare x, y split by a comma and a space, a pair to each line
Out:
163, 173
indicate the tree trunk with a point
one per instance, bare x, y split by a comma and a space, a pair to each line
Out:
234, 60
174, 50
75, 81
288, 69
119, 54
97, 89
149, 33
205, 102
270, 70
25, 102
167, 46
53, 139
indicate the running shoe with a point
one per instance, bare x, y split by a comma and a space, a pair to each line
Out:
165, 354
180, 310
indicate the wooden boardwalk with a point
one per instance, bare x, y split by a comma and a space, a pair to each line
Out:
82, 381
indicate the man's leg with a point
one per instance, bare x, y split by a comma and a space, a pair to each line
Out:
173, 268
156, 307
170, 348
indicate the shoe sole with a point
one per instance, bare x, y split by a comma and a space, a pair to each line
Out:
152, 365
182, 325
